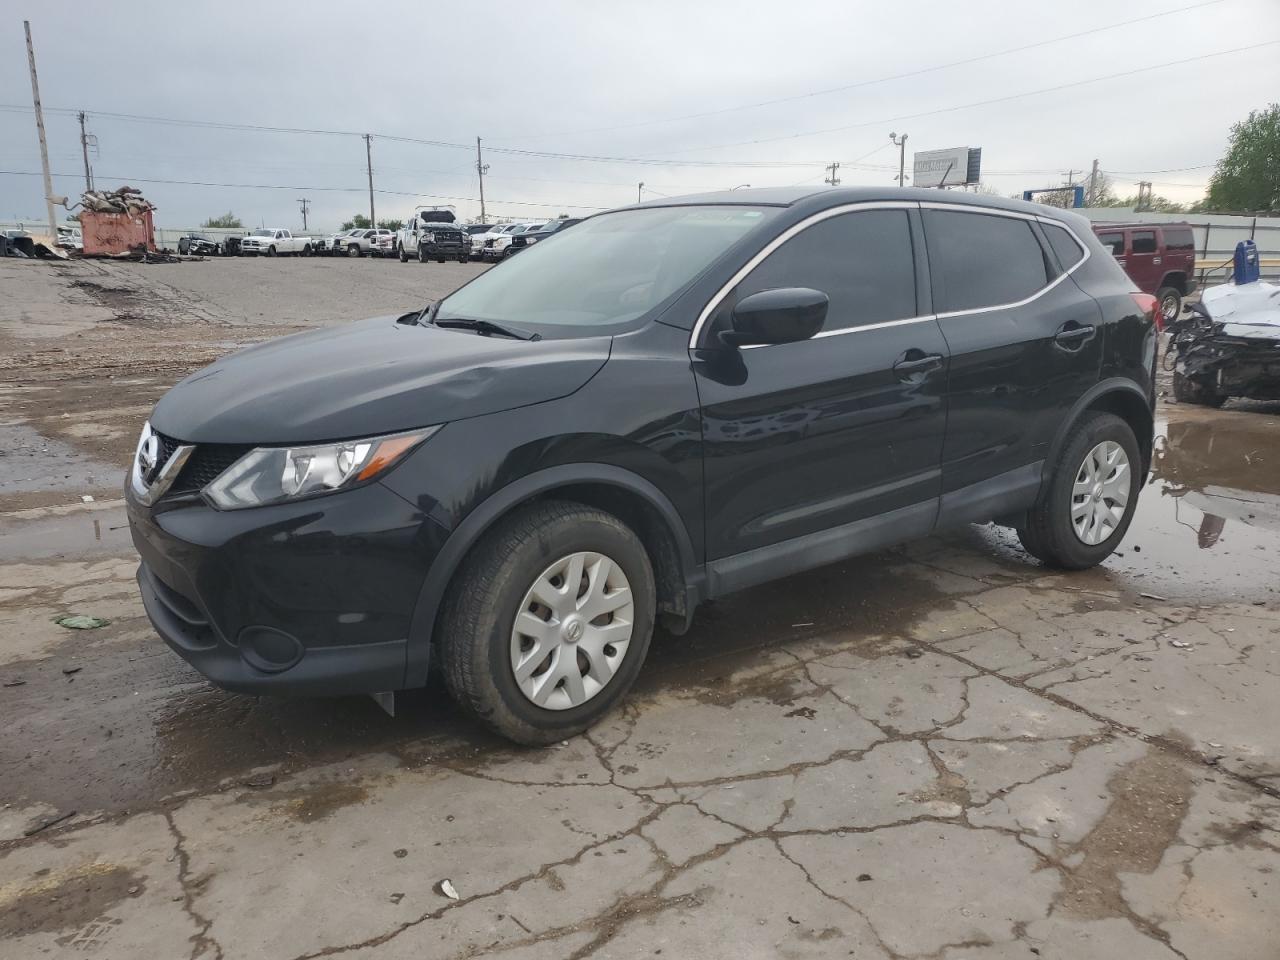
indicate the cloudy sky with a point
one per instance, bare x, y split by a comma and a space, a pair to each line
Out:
682, 96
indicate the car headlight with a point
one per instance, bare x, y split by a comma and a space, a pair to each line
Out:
429, 237
275, 474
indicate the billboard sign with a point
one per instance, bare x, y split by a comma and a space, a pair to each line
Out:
958, 165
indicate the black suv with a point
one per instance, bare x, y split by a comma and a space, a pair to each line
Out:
668, 403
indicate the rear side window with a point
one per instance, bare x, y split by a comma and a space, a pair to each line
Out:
980, 260
1113, 242
1064, 245
1179, 239
862, 261
1144, 241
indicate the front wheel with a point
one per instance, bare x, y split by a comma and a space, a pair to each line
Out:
271, 251
353, 250
404, 257
1089, 504
548, 621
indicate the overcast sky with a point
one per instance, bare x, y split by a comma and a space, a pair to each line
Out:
657, 80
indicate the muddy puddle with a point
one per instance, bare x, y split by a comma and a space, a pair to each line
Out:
137, 724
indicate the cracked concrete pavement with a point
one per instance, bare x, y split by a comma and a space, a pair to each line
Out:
941, 751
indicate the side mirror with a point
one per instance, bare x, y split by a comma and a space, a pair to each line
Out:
784, 315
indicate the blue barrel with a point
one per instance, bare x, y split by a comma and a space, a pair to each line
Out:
1246, 269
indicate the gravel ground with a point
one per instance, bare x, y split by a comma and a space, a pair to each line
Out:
940, 751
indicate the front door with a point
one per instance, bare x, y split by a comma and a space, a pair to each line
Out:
820, 449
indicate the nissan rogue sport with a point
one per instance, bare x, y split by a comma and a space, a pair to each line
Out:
667, 403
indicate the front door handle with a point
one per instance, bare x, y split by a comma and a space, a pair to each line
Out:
913, 364
1072, 335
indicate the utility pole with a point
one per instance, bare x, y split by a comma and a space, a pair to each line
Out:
481, 168
368, 156
1144, 196
84, 147
304, 203
1093, 185
639, 190
44, 147
901, 144
833, 179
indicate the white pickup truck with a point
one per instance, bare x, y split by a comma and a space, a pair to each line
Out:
272, 241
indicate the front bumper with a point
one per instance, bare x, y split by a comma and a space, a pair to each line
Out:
314, 597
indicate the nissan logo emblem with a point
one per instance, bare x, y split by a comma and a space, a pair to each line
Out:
149, 459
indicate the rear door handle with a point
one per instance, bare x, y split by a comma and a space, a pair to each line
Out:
914, 363
1074, 335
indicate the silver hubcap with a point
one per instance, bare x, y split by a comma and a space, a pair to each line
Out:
572, 631
1100, 495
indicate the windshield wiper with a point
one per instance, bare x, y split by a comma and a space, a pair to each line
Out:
488, 327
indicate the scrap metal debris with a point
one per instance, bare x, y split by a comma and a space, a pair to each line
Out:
46, 824
123, 200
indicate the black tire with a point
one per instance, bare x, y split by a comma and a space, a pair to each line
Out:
1186, 390
483, 600
1047, 533
1170, 303
422, 254
404, 257
271, 250
306, 250
353, 250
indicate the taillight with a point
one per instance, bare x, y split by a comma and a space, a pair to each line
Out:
1150, 306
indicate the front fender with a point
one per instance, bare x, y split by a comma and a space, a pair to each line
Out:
499, 504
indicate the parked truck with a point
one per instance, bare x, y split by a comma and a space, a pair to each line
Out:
273, 241
433, 233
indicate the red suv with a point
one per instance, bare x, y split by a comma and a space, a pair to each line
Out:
1159, 257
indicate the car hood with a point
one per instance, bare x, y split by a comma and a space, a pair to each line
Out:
371, 377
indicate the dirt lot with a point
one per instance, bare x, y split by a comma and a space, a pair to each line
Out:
940, 751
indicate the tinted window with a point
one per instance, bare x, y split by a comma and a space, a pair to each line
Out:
861, 261
1066, 248
1113, 242
1144, 241
980, 260
1179, 238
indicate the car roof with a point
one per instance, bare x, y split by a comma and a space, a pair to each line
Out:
1132, 224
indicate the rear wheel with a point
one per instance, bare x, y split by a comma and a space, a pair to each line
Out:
548, 621
306, 250
1186, 390
1084, 514
404, 257
1170, 300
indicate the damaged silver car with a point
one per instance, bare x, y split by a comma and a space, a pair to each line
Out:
1228, 345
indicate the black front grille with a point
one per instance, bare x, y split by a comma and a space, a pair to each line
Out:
206, 463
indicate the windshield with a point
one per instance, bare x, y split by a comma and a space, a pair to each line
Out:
263, 233
607, 269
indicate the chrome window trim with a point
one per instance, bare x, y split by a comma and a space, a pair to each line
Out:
1016, 215
778, 241
803, 225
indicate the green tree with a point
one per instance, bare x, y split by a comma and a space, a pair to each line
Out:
228, 220
1248, 175
390, 224
358, 222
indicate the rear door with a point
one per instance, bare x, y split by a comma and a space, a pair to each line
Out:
818, 449
1024, 345
1144, 263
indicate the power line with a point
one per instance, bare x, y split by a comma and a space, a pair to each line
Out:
984, 103
281, 186
876, 80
